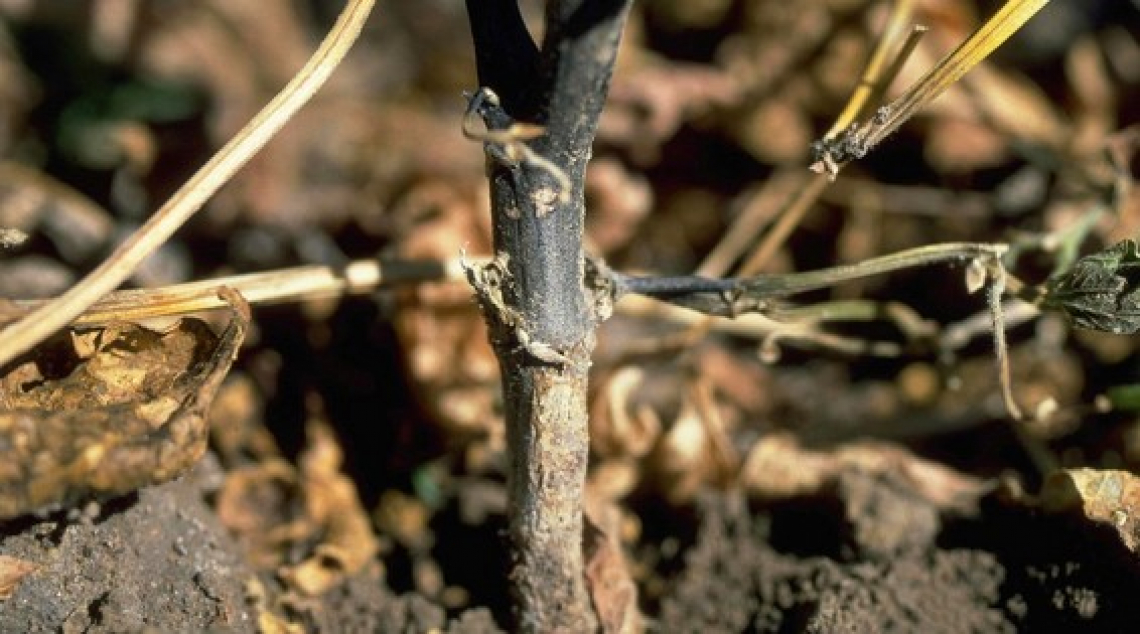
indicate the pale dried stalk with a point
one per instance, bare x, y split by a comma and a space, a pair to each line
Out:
853, 143
883, 66
951, 68
272, 287
47, 319
751, 326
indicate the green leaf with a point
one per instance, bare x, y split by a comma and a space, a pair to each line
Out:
1101, 291
1124, 398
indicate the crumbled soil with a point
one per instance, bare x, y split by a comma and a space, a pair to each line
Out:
796, 567
158, 559
1011, 572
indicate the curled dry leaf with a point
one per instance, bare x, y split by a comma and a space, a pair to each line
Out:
110, 411
271, 507
268, 620
696, 450
406, 519
608, 579
254, 504
617, 426
623, 430
358, 145
648, 104
34, 204
619, 200
778, 468
775, 131
12, 571
1103, 496
613, 478
38, 204
237, 425
452, 366
347, 541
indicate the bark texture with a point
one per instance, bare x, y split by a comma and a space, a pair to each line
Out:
541, 313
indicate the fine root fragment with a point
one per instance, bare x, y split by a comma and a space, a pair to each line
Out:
602, 287
829, 155
538, 350
507, 327
505, 144
997, 276
488, 280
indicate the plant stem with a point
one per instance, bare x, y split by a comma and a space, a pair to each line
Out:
734, 296
541, 314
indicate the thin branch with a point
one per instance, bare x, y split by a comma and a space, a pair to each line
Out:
911, 324
750, 326
274, 287
880, 70
857, 140
506, 57
47, 319
873, 82
790, 218
735, 296
757, 209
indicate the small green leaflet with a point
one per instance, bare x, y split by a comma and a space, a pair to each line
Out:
1101, 291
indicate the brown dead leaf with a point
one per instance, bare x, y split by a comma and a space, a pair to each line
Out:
696, 450
957, 146
38, 204
254, 504
237, 426
347, 541
608, 580
451, 363
613, 478
617, 427
273, 508
358, 146
1103, 496
268, 620
649, 103
1094, 93
12, 572
775, 131
1016, 107
129, 415
619, 201
778, 467
325, 569
406, 519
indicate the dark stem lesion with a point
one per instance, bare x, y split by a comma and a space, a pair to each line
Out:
538, 107
732, 297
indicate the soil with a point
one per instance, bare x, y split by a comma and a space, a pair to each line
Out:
160, 561
864, 478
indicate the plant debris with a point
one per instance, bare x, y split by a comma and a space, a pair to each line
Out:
105, 412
